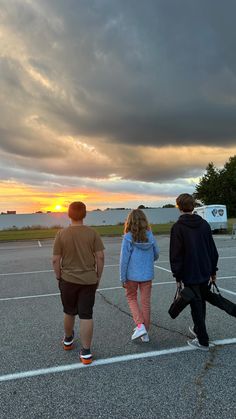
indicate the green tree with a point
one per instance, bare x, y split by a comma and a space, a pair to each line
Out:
168, 206
208, 191
219, 186
228, 185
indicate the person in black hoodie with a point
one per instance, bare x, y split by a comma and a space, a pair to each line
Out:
193, 259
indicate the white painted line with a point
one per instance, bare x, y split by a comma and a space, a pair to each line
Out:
221, 257
162, 269
33, 246
163, 283
227, 257
40, 272
153, 284
218, 277
106, 361
229, 292
26, 273
20, 247
163, 261
25, 297
109, 288
111, 266
224, 341
39, 243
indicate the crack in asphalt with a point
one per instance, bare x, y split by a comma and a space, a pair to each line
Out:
199, 381
129, 315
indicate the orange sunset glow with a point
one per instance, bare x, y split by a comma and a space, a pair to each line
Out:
30, 200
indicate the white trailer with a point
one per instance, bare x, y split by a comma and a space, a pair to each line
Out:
215, 215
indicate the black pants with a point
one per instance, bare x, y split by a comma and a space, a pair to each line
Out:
198, 311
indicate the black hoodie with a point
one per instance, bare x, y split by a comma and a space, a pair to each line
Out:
193, 254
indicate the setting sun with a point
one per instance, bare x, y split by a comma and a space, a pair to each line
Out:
58, 207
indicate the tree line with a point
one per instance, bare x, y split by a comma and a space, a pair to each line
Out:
218, 186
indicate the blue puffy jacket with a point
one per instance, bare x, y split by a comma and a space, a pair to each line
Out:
137, 259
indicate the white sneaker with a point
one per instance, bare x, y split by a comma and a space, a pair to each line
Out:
145, 338
191, 329
138, 332
195, 344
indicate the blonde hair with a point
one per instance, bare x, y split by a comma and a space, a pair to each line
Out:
137, 224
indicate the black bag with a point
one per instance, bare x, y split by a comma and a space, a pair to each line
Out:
182, 298
215, 298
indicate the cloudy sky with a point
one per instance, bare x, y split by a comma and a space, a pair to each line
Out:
114, 102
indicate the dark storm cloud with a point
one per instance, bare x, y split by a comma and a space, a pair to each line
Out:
118, 73
151, 72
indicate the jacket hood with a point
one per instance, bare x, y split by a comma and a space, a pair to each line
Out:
144, 245
191, 220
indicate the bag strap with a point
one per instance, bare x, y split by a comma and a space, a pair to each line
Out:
178, 290
215, 288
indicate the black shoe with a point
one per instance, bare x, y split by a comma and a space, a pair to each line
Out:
68, 342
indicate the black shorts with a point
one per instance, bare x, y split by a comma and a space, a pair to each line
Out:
78, 299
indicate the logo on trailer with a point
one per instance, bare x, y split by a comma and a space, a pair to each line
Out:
214, 212
217, 213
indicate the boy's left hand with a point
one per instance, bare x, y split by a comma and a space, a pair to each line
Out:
213, 279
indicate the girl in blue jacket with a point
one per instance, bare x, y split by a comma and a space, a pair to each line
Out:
139, 250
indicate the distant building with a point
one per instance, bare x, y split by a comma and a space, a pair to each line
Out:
11, 212
93, 218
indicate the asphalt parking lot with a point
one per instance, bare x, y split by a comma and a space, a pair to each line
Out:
162, 379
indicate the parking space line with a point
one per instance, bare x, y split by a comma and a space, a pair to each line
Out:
107, 361
228, 291
153, 284
25, 297
105, 266
220, 257
45, 271
227, 257
162, 269
221, 277
19, 247
218, 277
26, 273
